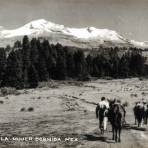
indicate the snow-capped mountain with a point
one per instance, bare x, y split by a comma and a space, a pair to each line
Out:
89, 37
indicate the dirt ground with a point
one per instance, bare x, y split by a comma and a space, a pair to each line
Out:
63, 116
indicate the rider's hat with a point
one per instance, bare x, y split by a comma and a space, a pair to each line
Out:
103, 98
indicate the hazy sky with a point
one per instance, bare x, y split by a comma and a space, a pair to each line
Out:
128, 17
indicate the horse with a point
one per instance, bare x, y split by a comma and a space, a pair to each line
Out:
116, 116
101, 114
139, 113
145, 116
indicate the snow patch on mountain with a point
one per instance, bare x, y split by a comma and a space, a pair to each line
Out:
92, 32
140, 44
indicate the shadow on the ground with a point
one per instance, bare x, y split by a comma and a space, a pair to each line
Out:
133, 127
102, 138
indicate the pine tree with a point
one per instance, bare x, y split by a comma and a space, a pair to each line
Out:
46, 49
70, 65
89, 61
95, 71
98, 63
17, 45
80, 63
13, 72
34, 55
136, 63
115, 66
42, 70
60, 71
26, 59
124, 66
51, 65
8, 49
42, 63
32, 77
2, 64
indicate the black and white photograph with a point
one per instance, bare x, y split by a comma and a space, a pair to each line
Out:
73, 73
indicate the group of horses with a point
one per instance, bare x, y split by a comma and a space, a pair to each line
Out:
141, 113
116, 113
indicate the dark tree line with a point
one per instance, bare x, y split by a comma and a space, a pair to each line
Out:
35, 61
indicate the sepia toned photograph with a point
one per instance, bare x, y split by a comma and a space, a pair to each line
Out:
73, 73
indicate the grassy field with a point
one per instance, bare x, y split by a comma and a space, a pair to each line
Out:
62, 114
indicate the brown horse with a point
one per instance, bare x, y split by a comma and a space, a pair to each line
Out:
116, 117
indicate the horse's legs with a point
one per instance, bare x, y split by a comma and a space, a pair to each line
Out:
116, 134
113, 131
102, 130
139, 123
119, 134
99, 124
145, 119
135, 121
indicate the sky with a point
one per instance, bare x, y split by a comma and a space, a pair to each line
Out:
128, 17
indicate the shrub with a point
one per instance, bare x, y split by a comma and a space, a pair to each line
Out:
1, 102
22, 109
8, 91
30, 109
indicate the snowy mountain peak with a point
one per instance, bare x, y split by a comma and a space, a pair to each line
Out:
42, 24
39, 21
34, 28
83, 37
37, 24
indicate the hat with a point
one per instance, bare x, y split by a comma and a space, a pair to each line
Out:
103, 98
